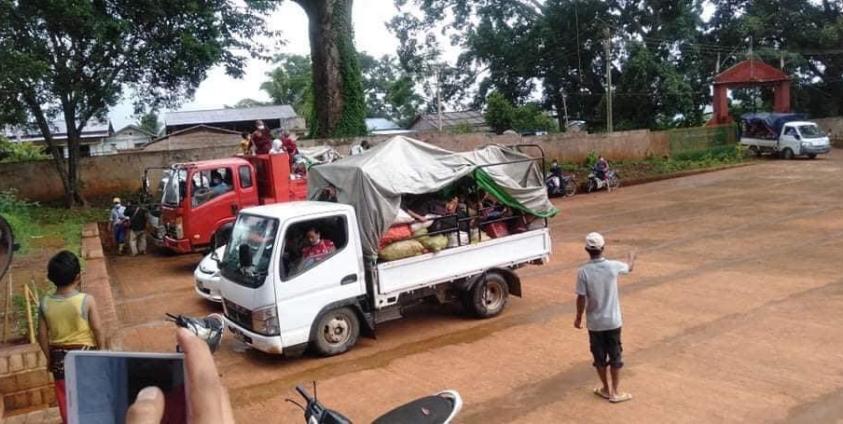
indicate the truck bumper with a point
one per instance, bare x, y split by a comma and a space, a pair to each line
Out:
815, 150
180, 246
268, 344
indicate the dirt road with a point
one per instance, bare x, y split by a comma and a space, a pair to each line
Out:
733, 313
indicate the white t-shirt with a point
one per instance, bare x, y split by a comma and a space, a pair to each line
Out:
598, 282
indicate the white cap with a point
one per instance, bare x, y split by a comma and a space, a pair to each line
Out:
594, 241
115, 200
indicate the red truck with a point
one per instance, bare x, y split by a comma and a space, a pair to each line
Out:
201, 199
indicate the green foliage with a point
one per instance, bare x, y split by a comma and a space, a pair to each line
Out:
291, 82
20, 152
461, 128
353, 120
74, 59
149, 123
530, 117
591, 159
499, 112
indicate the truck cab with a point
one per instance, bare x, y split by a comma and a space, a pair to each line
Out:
201, 199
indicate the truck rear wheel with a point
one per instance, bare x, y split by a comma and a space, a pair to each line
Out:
755, 151
336, 332
488, 297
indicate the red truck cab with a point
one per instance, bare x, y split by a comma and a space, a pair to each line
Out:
201, 199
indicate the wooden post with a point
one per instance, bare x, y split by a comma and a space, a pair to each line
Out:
7, 306
28, 297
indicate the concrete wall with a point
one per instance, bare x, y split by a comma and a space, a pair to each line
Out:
571, 147
108, 175
102, 176
834, 127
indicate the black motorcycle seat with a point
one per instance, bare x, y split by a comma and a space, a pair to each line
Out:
427, 410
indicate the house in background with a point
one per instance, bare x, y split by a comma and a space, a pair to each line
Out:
130, 137
92, 137
199, 136
237, 119
470, 120
383, 126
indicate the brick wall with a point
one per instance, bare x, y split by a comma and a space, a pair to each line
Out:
25, 383
108, 175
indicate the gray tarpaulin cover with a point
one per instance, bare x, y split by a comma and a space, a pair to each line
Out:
374, 181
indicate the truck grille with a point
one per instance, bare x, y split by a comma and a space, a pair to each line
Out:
170, 230
238, 314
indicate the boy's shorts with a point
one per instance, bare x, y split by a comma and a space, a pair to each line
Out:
606, 348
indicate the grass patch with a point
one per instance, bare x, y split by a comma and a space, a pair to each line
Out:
655, 166
38, 226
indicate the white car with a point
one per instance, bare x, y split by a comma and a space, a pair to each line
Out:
207, 276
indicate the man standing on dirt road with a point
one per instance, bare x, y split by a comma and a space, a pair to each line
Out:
597, 295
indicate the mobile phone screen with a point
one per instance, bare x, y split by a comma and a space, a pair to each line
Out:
106, 385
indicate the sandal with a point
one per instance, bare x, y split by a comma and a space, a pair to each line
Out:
599, 392
621, 397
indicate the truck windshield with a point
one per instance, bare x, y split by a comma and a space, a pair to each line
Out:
174, 188
810, 131
255, 235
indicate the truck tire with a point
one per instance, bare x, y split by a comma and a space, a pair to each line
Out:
812, 155
755, 151
336, 332
488, 297
787, 154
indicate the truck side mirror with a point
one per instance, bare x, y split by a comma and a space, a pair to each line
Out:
796, 136
245, 253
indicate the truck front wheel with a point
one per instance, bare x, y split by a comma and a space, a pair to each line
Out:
787, 154
336, 332
488, 297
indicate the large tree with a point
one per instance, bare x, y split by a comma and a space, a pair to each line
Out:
72, 59
339, 102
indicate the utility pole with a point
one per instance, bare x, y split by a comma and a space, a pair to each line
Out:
565, 109
717, 69
608, 80
439, 94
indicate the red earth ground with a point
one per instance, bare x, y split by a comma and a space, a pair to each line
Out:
733, 313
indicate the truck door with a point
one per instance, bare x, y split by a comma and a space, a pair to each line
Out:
247, 188
789, 139
212, 203
320, 265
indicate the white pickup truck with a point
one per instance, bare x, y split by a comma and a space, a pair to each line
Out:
275, 304
778, 134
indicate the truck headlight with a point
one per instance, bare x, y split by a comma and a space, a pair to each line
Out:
265, 321
179, 228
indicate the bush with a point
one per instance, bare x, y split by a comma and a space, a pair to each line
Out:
20, 152
499, 112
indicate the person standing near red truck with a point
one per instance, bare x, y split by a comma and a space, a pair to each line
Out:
261, 139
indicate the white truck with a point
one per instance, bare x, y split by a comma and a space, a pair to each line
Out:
307, 273
273, 306
784, 135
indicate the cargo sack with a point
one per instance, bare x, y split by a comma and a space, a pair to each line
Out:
401, 249
396, 233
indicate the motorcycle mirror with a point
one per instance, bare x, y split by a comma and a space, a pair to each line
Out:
209, 329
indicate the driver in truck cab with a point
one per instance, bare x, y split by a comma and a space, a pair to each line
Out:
316, 247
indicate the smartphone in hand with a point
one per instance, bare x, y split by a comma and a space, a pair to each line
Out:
102, 385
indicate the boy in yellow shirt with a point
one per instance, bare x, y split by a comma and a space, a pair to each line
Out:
69, 320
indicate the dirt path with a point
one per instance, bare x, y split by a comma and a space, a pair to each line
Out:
733, 314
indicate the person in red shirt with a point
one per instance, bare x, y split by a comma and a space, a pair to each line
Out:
261, 139
289, 146
317, 248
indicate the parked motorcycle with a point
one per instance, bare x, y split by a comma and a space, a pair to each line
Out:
560, 186
612, 181
440, 408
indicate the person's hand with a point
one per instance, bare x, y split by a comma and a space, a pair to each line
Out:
578, 322
207, 399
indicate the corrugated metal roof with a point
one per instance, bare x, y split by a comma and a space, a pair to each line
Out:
473, 118
94, 128
381, 124
196, 117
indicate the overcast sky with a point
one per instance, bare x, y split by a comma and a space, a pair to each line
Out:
370, 18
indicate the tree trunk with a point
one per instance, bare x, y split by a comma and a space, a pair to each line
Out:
73, 195
339, 104
57, 154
